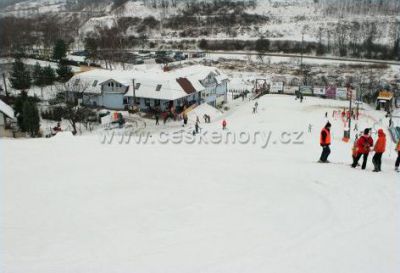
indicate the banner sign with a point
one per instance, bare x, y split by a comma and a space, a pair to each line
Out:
306, 90
341, 93
319, 91
276, 87
330, 92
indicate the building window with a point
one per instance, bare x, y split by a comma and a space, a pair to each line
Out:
137, 86
147, 102
158, 88
77, 82
95, 83
125, 101
157, 103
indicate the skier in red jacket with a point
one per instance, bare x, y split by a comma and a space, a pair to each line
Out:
380, 148
364, 144
223, 124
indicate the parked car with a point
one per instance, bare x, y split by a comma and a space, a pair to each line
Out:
164, 60
180, 56
138, 60
145, 54
198, 55
80, 53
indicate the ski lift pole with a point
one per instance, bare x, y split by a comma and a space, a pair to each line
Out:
350, 111
347, 131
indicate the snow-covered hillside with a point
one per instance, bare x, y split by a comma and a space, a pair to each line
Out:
71, 204
279, 20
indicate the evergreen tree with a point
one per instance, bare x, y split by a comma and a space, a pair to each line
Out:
203, 44
48, 75
64, 72
19, 107
37, 75
31, 119
59, 50
20, 77
262, 45
91, 47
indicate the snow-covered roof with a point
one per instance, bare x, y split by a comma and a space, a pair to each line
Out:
93, 79
240, 84
6, 109
152, 83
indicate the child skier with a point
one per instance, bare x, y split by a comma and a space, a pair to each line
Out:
354, 150
380, 148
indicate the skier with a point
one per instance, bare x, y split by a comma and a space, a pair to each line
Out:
398, 156
356, 127
256, 107
325, 142
364, 144
380, 148
197, 127
310, 128
326, 114
223, 124
185, 119
157, 119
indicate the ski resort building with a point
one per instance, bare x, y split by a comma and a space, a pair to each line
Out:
150, 89
6, 118
385, 101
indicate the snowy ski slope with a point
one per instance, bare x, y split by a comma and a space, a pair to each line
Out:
71, 204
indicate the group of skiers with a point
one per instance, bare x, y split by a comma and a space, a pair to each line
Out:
362, 147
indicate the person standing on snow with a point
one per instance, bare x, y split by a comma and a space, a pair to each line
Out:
325, 142
380, 148
364, 144
223, 124
398, 156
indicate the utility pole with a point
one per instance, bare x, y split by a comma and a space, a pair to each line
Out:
5, 84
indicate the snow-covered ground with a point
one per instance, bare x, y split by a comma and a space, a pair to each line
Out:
72, 204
